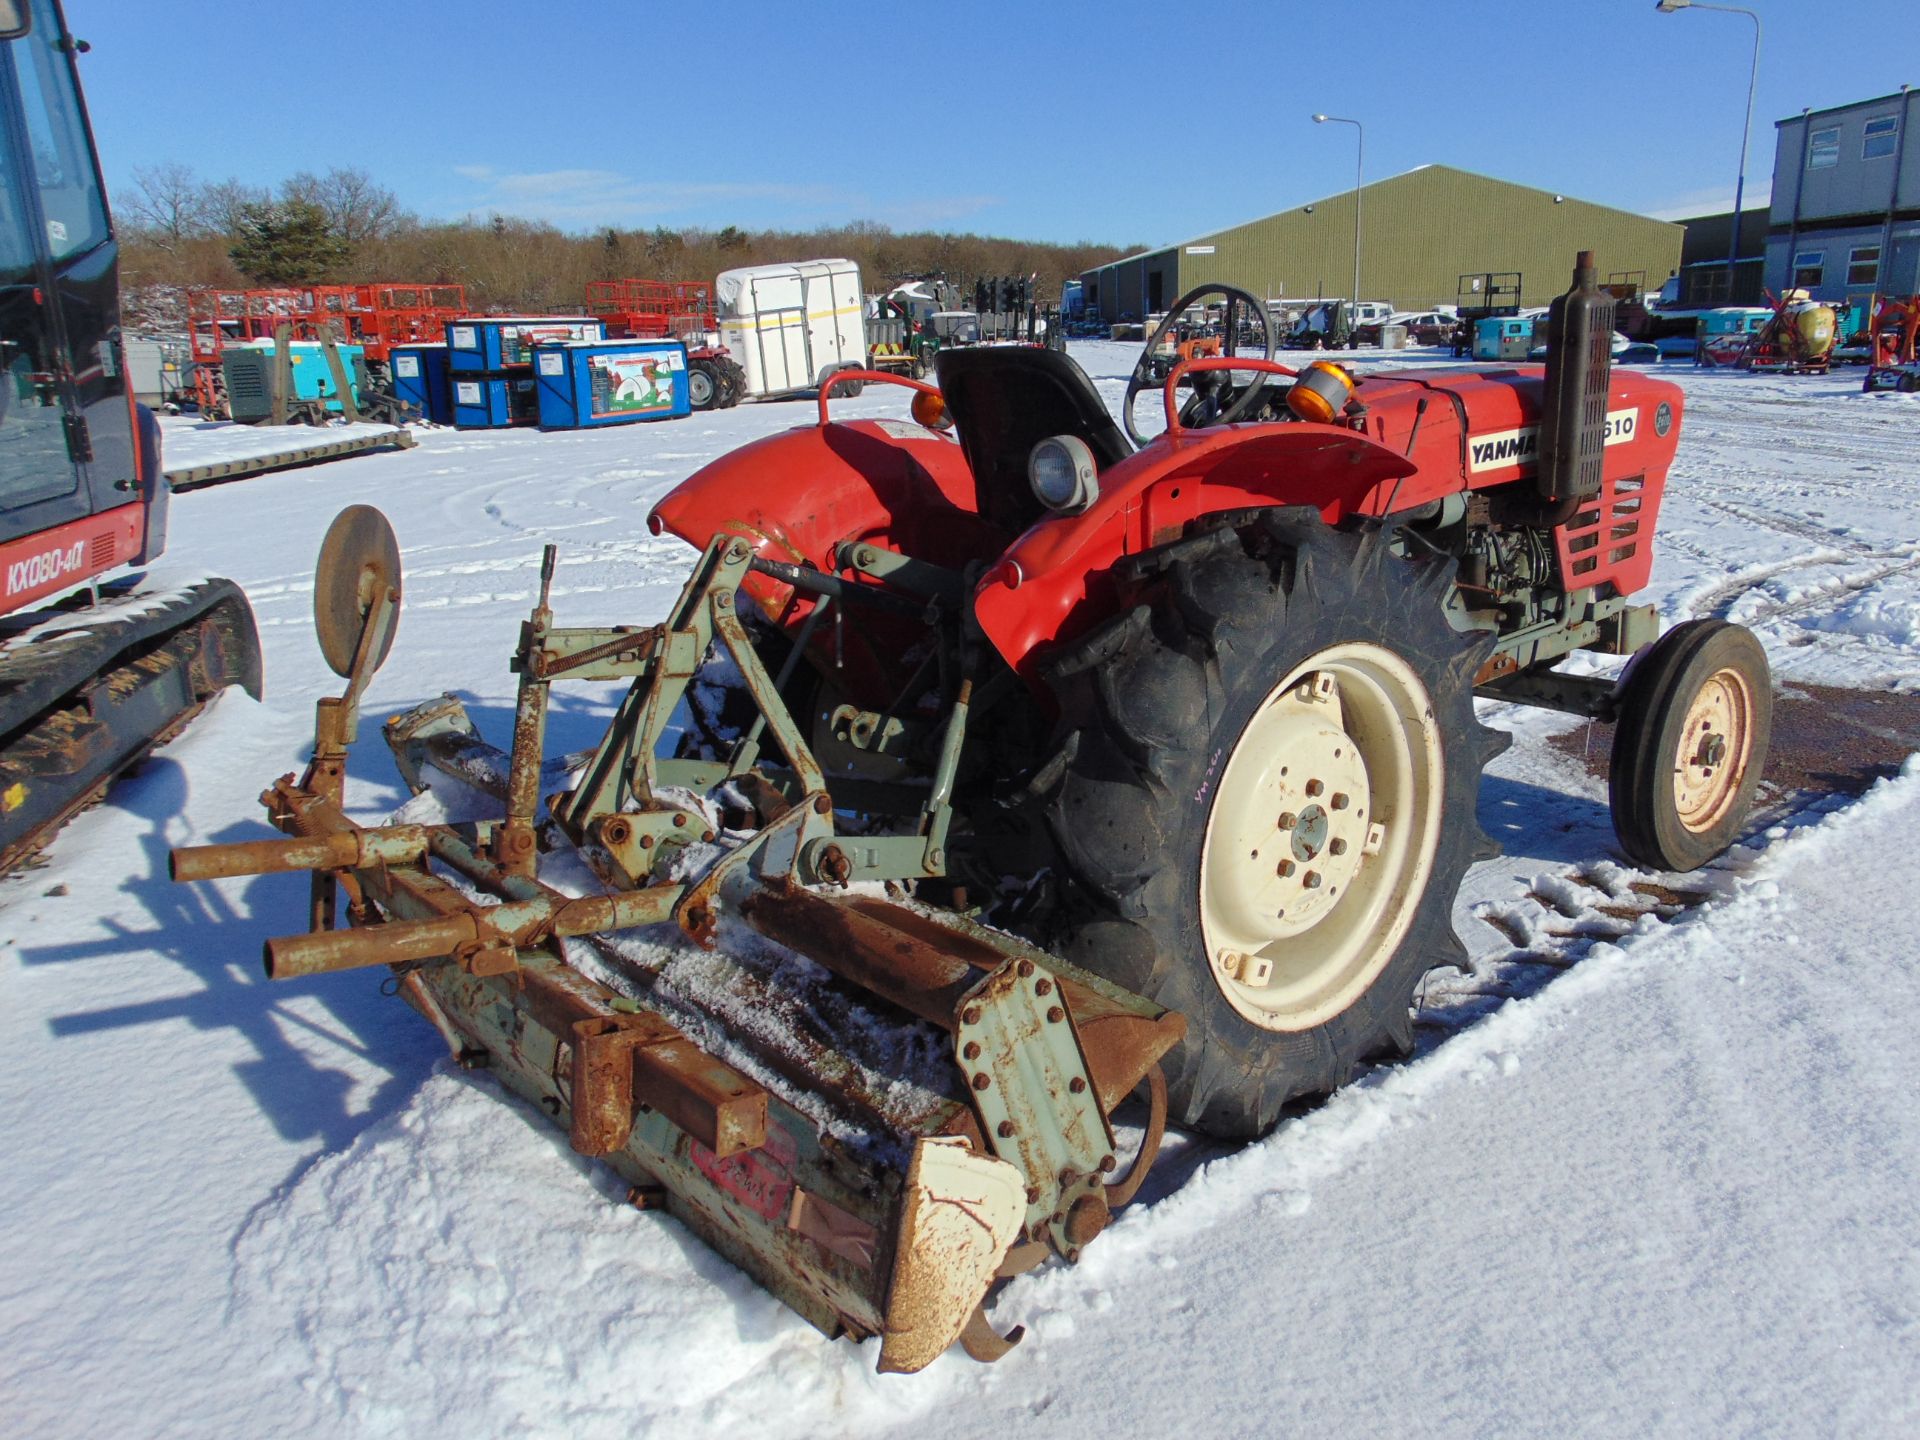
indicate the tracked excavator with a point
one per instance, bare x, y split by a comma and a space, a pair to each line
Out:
98, 662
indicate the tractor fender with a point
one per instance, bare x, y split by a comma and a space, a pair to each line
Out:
1057, 580
799, 493
796, 495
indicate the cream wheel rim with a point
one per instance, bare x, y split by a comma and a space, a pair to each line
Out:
1716, 743
1321, 837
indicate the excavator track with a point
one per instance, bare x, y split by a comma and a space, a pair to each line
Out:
82, 700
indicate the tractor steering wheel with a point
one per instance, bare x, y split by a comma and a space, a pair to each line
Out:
1214, 401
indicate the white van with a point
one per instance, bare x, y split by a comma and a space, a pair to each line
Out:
791, 326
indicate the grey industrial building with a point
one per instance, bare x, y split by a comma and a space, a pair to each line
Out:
1703, 259
1845, 218
1419, 233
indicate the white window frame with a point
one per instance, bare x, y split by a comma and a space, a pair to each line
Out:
1818, 266
1823, 153
1854, 262
1889, 133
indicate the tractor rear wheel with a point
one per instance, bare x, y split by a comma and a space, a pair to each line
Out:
1690, 744
1271, 804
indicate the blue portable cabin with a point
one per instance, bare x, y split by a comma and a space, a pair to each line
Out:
590, 383
1504, 337
487, 343
420, 379
494, 402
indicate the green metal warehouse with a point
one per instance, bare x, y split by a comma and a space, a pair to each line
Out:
1419, 233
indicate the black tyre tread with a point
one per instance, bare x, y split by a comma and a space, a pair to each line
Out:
708, 369
1128, 823
1677, 663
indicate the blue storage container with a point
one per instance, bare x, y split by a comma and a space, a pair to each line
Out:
610, 382
419, 375
491, 402
502, 342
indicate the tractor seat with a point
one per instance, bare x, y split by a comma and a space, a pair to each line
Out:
1005, 399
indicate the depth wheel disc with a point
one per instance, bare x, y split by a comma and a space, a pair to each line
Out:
359, 561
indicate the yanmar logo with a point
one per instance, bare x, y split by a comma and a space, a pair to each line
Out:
44, 568
1504, 448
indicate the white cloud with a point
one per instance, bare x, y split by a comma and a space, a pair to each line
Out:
1711, 200
588, 197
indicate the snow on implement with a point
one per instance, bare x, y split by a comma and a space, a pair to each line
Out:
979, 780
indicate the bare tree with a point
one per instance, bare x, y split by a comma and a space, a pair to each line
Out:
228, 201
357, 207
168, 203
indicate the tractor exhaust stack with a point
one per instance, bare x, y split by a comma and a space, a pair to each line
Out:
1573, 414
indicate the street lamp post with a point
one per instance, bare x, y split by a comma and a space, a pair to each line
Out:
1668, 7
1359, 180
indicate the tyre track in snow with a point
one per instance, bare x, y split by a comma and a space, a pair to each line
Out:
1799, 529
1719, 600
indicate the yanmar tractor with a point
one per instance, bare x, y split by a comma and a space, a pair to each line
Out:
998, 763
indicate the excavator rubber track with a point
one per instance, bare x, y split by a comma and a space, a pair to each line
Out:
86, 694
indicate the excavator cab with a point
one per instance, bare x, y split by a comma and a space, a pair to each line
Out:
86, 689
69, 438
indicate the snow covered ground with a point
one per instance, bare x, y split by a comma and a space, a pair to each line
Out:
1654, 1171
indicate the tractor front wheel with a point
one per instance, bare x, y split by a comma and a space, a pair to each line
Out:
1690, 744
1271, 805
701, 386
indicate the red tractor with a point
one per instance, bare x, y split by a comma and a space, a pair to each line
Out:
1893, 341
1073, 761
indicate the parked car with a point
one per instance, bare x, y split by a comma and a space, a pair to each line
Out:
1620, 347
1427, 327
1365, 319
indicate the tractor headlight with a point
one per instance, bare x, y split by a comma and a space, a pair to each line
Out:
1063, 475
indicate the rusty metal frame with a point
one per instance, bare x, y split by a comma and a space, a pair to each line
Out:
1043, 1051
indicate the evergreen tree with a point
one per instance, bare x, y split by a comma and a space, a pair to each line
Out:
287, 242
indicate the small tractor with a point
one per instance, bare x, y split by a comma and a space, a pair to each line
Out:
995, 765
1188, 338
1893, 344
900, 343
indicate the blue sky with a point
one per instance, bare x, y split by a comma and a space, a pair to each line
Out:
1121, 122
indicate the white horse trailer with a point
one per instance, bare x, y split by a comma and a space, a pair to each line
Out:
791, 326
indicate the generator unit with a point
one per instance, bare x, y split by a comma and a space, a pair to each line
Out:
248, 369
1502, 337
610, 382
420, 379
